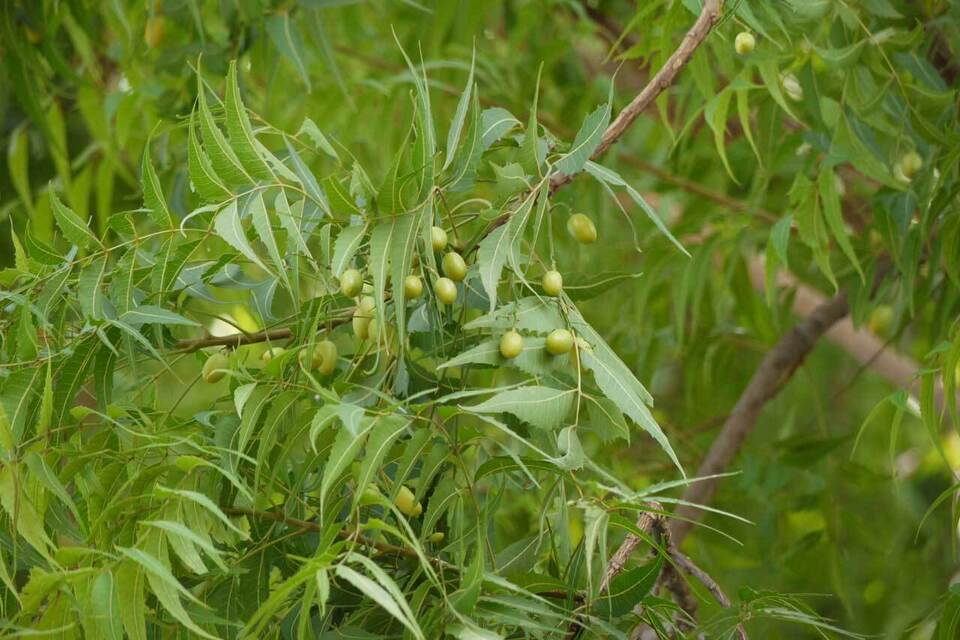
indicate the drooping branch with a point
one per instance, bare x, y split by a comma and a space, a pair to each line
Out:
774, 372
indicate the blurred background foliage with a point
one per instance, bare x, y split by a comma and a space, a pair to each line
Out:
729, 157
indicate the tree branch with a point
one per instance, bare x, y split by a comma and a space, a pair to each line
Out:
774, 371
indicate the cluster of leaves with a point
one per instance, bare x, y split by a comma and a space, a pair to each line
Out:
290, 483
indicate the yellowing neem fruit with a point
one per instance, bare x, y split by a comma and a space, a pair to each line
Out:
438, 238
436, 537
214, 369
881, 319
325, 357
155, 31
445, 290
559, 341
362, 316
552, 283
511, 344
412, 287
271, 353
910, 164
792, 86
407, 502
351, 283
454, 266
744, 43
582, 228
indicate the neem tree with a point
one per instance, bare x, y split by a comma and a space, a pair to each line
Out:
424, 365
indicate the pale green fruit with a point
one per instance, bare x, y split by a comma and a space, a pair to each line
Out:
511, 344
454, 266
362, 316
581, 227
910, 164
445, 290
407, 503
559, 341
412, 287
438, 238
325, 357
351, 283
436, 537
744, 43
272, 353
552, 283
214, 369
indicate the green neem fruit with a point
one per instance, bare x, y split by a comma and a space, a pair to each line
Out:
582, 229
215, 368
744, 43
454, 266
438, 238
351, 283
325, 356
362, 316
436, 537
511, 344
407, 502
272, 353
552, 283
910, 164
445, 290
155, 31
412, 287
559, 341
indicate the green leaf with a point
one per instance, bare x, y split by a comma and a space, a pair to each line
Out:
618, 383
224, 162
587, 140
715, 114
496, 122
264, 229
345, 247
203, 178
153, 199
608, 176
227, 225
130, 586
383, 434
18, 162
529, 155
312, 131
345, 448
242, 140
543, 407
73, 228
149, 314
377, 592
460, 115
286, 36
827, 184
291, 219
491, 256
27, 521
104, 602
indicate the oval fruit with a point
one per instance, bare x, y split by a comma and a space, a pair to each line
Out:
454, 266
412, 287
362, 316
511, 344
407, 502
272, 353
910, 164
581, 227
445, 290
351, 283
325, 357
214, 369
552, 283
744, 43
436, 537
792, 86
438, 238
559, 341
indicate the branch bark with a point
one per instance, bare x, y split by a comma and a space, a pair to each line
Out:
774, 371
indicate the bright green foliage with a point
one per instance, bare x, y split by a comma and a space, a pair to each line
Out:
339, 467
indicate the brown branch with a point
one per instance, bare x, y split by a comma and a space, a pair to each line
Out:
774, 371
658, 84
233, 340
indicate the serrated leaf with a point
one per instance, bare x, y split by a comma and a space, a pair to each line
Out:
383, 434
345, 448
715, 114
543, 407
460, 115
291, 220
223, 160
529, 156
204, 179
830, 198
153, 199
345, 247
264, 229
467, 156
310, 128
227, 225
242, 139
491, 256
149, 314
381, 596
586, 141
73, 228
18, 162
286, 36
496, 122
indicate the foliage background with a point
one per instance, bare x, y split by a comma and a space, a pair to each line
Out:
81, 91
